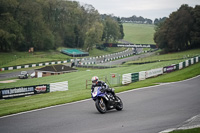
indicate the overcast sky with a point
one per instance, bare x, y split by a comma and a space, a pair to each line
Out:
146, 8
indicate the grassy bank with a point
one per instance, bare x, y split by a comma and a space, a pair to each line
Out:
139, 33
170, 56
19, 58
195, 130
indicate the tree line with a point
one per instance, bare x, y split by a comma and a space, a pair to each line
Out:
135, 19
48, 24
181, 31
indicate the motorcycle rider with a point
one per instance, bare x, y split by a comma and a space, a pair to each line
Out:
97, 82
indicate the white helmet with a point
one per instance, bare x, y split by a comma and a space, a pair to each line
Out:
94, 80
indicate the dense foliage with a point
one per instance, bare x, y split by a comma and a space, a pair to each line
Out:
48, 24
160, 20
180, 31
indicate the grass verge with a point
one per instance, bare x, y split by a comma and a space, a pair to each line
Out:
195, 130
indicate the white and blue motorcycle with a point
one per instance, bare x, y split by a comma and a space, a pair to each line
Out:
105, 101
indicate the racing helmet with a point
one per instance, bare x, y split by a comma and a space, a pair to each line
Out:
94, 80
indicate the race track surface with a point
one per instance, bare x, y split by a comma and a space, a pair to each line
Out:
146, 110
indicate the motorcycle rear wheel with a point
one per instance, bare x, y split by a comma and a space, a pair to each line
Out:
101, 106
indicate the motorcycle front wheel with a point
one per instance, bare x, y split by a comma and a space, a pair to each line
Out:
119, 105
100, 105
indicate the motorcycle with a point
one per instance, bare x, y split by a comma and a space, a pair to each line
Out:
105, 101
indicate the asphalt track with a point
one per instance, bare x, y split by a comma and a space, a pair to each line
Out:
131, 58
146, 110
13, 74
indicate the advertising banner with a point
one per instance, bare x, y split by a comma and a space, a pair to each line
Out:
41, 89
168, 69
17, 92
129, 45
23, 91
154, 72
134, 77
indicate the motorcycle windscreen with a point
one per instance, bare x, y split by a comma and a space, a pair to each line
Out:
94, 93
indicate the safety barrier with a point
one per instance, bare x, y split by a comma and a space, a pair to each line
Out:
59, 86
34, 65
126, 78
134, 77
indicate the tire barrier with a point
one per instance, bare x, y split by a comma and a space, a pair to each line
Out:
34, 65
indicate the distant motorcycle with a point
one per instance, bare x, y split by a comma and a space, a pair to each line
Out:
105, 101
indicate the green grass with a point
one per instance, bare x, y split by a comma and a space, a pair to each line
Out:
139, 33
22, 58
170, 56
195, 130
77, 90
110, 50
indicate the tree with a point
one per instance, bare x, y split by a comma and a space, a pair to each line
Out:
48, 24
120, 28
195, 33
174, 33
111, 31
93, 36
10, 30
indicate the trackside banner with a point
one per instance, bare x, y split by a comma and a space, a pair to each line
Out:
129, 45
168, 69
154, 72
23, 91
